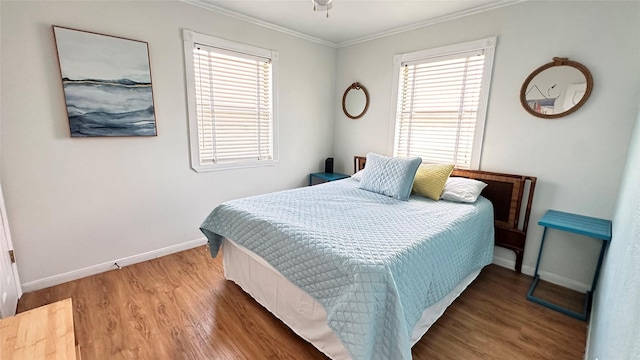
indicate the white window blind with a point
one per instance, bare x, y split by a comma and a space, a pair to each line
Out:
440, 107
233, 105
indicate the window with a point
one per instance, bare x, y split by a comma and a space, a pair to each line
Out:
441, 104
230, 89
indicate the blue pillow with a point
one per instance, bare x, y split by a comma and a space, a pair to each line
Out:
389, 176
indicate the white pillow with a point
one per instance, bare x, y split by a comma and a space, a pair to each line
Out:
357, 176
461, 189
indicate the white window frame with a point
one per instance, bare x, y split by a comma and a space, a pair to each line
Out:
488, 45
190, 38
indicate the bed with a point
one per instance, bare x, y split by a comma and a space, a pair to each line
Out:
347, 269
507, 193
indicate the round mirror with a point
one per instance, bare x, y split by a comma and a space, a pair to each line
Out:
556, 89
355, 101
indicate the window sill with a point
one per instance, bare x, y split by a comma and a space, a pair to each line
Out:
232, 166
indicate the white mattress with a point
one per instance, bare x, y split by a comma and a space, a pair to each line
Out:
305, 316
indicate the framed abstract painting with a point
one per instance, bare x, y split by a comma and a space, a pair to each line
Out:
107, 84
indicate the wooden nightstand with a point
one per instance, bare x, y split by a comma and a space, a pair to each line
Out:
323, 177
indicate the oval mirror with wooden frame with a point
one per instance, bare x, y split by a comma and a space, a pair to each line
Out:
355, 101
556, 89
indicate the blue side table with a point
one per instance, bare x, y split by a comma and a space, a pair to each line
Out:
578, 224
325, 177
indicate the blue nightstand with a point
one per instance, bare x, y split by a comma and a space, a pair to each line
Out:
578, 224
319, 178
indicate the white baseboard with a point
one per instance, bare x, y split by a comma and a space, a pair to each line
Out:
109, 265
544, 275
506, 263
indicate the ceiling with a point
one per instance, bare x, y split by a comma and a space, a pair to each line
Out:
349, 21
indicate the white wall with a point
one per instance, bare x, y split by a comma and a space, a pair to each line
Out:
578, 159
615, 321
76, 203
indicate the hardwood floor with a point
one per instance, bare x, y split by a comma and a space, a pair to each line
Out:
181, 307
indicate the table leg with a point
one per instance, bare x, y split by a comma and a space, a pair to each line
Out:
595, 277
544, 234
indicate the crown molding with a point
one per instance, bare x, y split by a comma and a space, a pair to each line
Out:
421, 24
252, 20
209, 6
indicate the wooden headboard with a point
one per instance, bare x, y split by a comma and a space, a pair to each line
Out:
506, 192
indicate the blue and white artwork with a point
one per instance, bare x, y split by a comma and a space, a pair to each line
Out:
107, 84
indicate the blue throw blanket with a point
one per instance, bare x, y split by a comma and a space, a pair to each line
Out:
373, 262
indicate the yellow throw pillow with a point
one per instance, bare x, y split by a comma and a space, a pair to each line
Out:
430, 180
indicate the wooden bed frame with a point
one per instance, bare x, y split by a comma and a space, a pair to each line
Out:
506, 192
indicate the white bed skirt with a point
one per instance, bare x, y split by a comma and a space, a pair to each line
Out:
305, 316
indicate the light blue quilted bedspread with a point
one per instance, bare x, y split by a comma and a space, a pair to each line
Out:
373, 262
